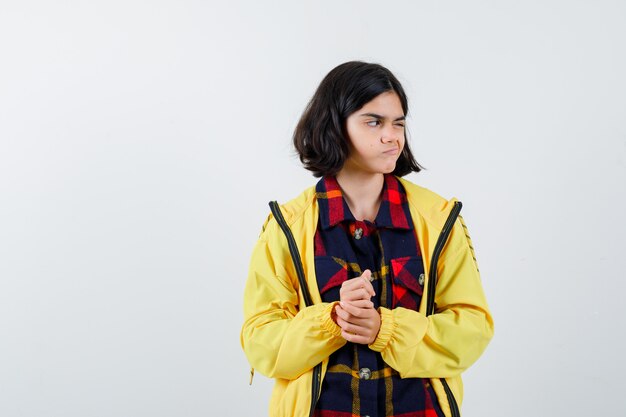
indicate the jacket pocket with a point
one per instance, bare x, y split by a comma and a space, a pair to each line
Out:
330, 273
407, 281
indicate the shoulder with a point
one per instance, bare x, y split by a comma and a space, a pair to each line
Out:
292, 210
431, 206
419, 194
423, 198
297, 207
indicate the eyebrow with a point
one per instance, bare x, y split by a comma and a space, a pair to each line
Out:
378, 116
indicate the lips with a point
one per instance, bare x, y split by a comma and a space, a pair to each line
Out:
391, 152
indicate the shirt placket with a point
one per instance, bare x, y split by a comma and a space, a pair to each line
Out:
365, 366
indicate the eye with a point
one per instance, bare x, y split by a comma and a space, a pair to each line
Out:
373, 123
400, 125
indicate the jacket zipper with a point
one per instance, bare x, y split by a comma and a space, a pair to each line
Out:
454, 407
315, 390
295, 255
432, 283
441, 242
293, 250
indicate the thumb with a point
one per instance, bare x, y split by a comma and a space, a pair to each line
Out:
367, 276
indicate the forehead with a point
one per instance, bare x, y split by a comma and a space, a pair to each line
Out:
386, 104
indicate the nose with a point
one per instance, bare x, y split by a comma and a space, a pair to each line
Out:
390, 134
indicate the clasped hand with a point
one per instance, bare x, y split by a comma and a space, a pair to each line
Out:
355, 314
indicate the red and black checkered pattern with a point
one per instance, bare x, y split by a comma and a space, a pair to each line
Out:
393, 210
358, 382
407, 288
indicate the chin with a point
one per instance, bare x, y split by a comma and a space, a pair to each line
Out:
389, 170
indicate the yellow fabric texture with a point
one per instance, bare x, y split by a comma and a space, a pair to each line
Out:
285, 342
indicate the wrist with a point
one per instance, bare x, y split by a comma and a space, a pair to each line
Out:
333, 313
385, 331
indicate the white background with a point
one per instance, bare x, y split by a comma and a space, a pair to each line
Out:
141, 140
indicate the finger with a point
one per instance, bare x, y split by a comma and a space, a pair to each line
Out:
353, 328
349, 318
355, 338
367, 274
362, 281
355, 311
355, 294
361, 303
342, 314
367, 328
367, 277
352, 284
367, 285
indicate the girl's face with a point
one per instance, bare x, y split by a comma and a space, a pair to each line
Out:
376, 135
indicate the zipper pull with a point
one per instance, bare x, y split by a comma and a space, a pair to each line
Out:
251, 375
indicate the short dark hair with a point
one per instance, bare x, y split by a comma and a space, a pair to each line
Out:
320, 138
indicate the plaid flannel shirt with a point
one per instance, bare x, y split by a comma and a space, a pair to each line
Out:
358, 382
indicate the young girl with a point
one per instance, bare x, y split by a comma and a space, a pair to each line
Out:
396, 310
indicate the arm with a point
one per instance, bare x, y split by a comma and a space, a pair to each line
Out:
279, 339
449, 341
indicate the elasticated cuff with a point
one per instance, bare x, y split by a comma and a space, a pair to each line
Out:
328, 323
387, 326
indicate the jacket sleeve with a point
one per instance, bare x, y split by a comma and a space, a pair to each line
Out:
279, 339
449, 341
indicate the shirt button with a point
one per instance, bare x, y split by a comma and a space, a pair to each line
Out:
365, 373
420, 279
358, 233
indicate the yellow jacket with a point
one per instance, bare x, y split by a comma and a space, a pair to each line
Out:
285, 342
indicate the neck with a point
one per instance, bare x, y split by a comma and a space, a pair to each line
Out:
362, 192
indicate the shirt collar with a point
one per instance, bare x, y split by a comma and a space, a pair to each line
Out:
393, 211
